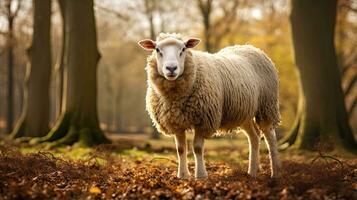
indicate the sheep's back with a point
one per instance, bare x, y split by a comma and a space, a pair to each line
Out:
258, 72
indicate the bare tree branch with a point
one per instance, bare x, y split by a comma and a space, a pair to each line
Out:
351, 84
351, 59
3, 8
349, 8
205, 8
149, 13
111, 11
7, 9
223, 25
16, 12
353, 106
348, 5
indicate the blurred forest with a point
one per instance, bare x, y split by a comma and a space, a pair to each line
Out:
121, 75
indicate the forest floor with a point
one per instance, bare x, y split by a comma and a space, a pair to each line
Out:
139, 168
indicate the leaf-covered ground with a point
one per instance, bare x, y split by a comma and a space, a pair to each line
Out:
124, 170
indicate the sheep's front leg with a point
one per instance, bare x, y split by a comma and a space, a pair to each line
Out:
200, 168
181, 147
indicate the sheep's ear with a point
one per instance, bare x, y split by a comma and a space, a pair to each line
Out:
192, 42
147, 44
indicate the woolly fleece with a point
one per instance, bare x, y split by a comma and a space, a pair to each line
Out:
216, 92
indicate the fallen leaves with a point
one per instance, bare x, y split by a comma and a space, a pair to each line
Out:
44, 176
95, 190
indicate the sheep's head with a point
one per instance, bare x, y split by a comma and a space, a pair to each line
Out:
170, 52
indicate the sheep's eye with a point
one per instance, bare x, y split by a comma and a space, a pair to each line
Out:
158, 51
183, 50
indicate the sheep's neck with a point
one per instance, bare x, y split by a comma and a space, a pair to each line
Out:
174, 90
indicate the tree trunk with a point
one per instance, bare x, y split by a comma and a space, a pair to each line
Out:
149, 11
35, 116
10, 65
291, 137
79, 120
205, 7
59, 68
324, 119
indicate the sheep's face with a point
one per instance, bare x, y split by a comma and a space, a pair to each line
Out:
170, 55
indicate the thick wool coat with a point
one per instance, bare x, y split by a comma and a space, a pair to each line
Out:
216, 92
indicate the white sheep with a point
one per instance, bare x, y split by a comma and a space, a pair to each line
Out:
210, 93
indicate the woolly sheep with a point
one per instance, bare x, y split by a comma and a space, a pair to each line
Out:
212, 93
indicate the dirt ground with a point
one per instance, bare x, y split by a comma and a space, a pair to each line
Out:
126, 170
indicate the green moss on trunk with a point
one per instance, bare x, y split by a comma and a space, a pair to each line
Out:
19, 130
58, 131
290, 138
82, 137
72, 129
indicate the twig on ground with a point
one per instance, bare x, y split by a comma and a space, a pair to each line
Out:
163, 158
325, 157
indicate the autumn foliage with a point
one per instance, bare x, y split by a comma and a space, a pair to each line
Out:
102, 175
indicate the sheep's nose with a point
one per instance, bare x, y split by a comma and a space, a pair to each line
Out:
171, 68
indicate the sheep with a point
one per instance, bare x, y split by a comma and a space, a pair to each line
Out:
210, 94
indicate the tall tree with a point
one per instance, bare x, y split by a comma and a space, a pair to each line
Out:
150, 6
34, 118
11, 14
205, 8
79, 120
60, 65
323, 119
347, 51
218, 27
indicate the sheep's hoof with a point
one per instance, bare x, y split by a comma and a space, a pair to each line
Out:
183, 175
201, 176
252, 174
275, 175
275, 171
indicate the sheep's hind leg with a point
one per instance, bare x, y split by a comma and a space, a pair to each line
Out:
200, 168
181, 147
253, 139
270, 139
